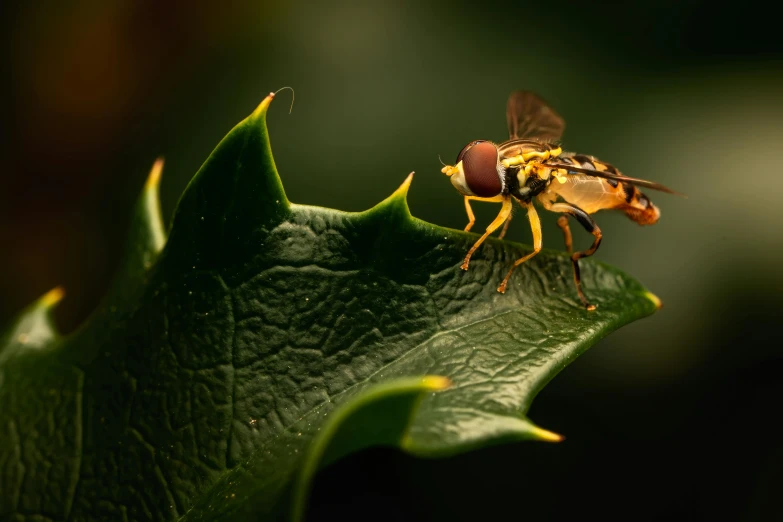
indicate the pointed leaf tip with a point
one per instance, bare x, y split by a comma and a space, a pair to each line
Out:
546, 435
153, 180
34, 326
436, 382
401, 194
52, 297
655, 299
403, 190
263, 106
150, 211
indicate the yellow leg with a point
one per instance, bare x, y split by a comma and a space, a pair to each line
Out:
505, 211
505, 227
535, 226
471, 217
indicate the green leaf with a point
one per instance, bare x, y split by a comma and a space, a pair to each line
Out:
266, 339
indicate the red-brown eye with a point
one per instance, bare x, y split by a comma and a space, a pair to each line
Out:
480, 164
465, 149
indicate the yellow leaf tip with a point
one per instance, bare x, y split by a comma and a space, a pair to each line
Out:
398, 200
52, 297
403, 190
546, 435
264, 105
153, 180
436, 382
655, 299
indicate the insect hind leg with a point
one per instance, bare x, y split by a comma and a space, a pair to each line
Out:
562, 222
587, 222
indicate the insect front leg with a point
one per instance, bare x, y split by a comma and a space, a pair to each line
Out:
535, 226
471, 216
505, 212
587, 222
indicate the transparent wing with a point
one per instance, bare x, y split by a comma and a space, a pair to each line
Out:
529, 116
616, 177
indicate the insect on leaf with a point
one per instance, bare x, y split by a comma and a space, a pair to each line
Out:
263, 339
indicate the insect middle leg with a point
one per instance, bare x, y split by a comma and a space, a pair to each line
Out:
535, 226
505, 212
587, 222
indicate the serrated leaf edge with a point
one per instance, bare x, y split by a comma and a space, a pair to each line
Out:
148, 210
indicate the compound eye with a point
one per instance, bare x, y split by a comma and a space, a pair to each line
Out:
465, 149
480, 164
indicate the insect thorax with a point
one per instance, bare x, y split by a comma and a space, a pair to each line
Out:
519, 156
523, 186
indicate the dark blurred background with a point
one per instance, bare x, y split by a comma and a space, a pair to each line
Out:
672, 417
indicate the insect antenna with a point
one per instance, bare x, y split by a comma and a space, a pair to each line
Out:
441, 161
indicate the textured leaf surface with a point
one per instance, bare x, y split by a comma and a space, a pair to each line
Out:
267, 338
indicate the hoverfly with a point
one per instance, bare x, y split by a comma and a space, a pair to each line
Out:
532, 165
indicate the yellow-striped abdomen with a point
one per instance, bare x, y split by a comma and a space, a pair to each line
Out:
592, 194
